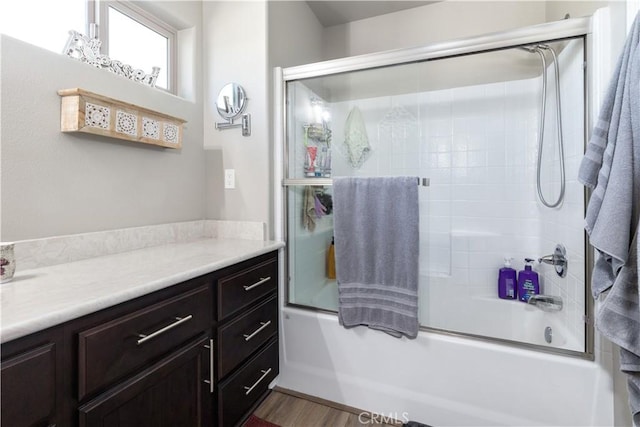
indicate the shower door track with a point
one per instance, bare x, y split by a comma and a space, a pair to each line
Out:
552, 31
567, 28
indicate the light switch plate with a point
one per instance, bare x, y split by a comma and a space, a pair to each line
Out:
230, 178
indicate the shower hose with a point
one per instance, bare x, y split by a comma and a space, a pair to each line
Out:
543, 101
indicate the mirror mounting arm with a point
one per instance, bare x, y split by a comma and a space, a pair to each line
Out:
231, 102
245, 124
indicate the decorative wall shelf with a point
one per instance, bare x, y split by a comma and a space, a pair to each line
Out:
84, 111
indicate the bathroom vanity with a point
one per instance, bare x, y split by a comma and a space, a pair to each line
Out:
194, 352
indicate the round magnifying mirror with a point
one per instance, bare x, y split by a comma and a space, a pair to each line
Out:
231, 101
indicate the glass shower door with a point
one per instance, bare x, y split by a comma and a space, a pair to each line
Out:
470, 125
309, 244
309, 199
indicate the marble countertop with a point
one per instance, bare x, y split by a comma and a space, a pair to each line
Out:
40, 298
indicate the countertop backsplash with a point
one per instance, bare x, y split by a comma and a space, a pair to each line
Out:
38, 253
61, 278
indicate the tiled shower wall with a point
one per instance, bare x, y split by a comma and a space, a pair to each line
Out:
478, 146
566, 225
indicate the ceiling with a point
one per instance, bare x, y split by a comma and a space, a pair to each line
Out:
331, 13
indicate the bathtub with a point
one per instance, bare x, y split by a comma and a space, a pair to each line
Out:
438, 379
511, 320
528, 324
491, 317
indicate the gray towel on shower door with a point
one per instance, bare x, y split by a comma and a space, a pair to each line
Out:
618, 319
376, 246
611, 167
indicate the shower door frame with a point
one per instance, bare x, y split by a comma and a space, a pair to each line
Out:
548, 32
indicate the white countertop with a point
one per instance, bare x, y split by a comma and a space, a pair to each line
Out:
40, 298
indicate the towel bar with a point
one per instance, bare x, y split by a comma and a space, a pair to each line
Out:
425, 182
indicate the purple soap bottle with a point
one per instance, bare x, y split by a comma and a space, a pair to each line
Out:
507, 284
528, 281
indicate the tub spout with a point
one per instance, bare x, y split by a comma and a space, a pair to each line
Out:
546, 302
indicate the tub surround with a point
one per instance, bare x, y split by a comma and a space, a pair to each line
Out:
121, 268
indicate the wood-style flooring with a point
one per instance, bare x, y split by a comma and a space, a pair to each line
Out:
287, 410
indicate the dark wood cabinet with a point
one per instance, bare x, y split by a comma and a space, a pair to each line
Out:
114, 349
243, 335
199, 353
247, 355
239, 290
248, 386
169, 393
30, 381
148, 362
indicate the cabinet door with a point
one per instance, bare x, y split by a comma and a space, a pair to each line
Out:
170, 393
29, 388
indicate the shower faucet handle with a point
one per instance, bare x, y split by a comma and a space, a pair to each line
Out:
551, 259
558, 259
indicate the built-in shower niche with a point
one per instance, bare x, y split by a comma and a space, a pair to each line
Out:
471, 125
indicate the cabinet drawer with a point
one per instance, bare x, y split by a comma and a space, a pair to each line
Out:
241, 337
244, 388
239, 290
114, 349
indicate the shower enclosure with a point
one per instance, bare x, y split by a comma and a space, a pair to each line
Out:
481, 124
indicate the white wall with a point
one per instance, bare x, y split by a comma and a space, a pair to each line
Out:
436, 22
235, 50
295, 34
557, 9
243, 41
56, 183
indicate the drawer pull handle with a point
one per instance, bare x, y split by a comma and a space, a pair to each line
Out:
263, 325
210, 380
250, 389
179, 320
258, 283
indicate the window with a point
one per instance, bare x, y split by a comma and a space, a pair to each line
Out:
135, 37
128, 33
48, 26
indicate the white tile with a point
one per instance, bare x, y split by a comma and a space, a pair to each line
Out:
439, 176
460, 259
477, 159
